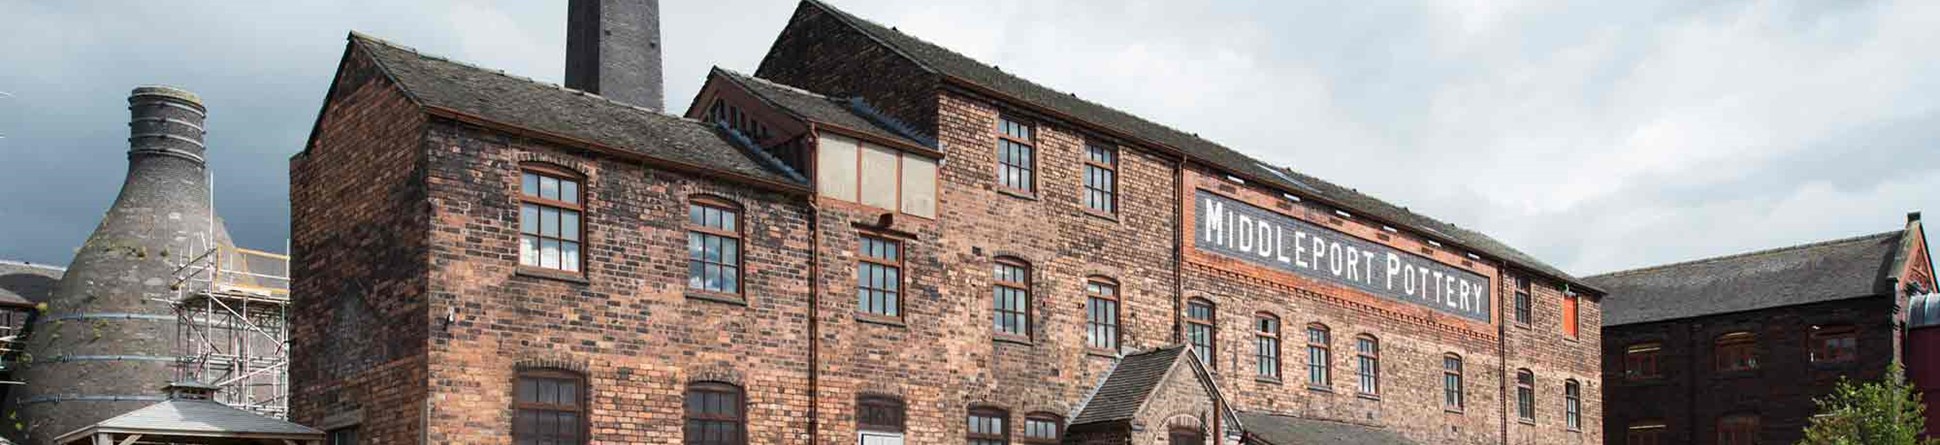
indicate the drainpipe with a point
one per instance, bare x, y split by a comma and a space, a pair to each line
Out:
814, 308
1178, 246
1502, 371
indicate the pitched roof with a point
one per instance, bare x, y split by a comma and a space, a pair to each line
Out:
941, 60
205, 418
851, 114
24, 284
522, 102
1274, 429
1809, 273
1129, 384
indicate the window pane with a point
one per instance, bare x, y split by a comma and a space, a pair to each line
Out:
569, 256
549, 222
529, 184
879, 176
548, 187
835, 162
529, 218
569, 191
569, 225
919, 186
529, 250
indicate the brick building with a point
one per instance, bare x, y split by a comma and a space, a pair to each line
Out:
876, 240
1732, 350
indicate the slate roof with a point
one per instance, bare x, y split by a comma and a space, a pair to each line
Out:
941, 60
182, 417
1809, 273
1276, 429
804, 104
24, 284
1129, 384
498, 97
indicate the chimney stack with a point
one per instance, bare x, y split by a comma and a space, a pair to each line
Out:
613, 50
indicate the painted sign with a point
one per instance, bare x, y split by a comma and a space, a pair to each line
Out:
1243, 231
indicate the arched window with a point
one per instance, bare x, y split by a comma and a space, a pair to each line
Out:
1367, 354
988, 426
1011, 297
1452, 392
1526, 395
1640, 361
1043, 428
1200, 331
1645, 433
1833, 344
1101, 313
879, 413
1266, 345
714, 246
549, 406
1737, 351
715, 414
1572, 405
1738, 429
1182, 435
550, 205
1320, 356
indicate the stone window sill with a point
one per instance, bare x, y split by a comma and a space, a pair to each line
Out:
717, 297
1012, 339
877, 319
551, 274
1020, 194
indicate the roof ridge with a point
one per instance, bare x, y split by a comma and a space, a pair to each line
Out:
1742, 255
739, 75
847, 16
32, 265
414, 51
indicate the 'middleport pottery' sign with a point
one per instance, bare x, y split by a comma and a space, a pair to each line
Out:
1236, 229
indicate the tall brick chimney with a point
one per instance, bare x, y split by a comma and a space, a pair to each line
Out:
613, 49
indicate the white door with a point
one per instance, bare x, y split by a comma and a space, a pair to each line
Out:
874, 438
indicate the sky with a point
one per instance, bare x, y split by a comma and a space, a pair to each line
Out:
1595, 135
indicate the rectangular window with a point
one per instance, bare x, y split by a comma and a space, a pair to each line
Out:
1368, 358
1572, 405
549, 215
713, 248
1011, 298
547, 407
1526, 396
1016, 158
1833, 344
879, 277
1319, 354
1569, 314
1452, 396
1523, 302
876, 176
1266, 346
714, 415
1042, 428
1200, 332
1737, 351
1101, 178
1101, 315
987, 427
1640, 361
1741, 429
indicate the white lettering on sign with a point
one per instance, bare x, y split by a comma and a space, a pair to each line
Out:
1236, 229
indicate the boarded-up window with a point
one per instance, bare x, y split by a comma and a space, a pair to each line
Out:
919, 186
879, 176
835, 167
1569, 315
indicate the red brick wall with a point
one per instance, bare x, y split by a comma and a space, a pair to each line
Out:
818, 53
359, 232
1179, 401
1692, 396
630, 325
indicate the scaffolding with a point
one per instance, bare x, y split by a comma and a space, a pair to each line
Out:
232, 310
